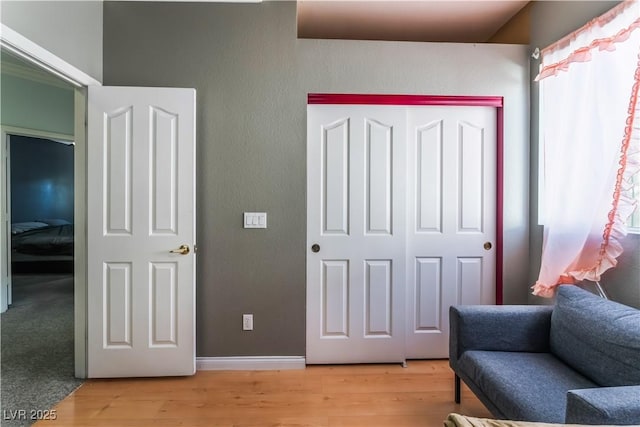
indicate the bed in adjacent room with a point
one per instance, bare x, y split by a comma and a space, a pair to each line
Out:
44, 245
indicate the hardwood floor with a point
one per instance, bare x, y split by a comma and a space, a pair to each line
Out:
336, 396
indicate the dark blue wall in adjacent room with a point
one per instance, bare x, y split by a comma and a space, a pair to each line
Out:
41, 179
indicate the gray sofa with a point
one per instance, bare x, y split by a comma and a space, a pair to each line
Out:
575, 362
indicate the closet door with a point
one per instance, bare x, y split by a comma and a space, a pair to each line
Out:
356, 233
401, 224
451, 222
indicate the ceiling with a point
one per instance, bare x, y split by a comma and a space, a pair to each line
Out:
469, 21
463, 21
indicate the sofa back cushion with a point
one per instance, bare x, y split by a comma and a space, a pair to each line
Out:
598, 338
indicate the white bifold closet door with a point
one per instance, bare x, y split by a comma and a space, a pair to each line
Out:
400, 225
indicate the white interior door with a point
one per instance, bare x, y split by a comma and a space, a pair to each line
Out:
356, 234
141, 207
451, 235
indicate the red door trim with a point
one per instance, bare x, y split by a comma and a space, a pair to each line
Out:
476, 101
374, 99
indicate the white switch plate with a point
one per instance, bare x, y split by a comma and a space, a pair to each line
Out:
255, 220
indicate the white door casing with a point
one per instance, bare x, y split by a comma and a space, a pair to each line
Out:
5, 228
141, 206
443, 205
451, 215
355, 205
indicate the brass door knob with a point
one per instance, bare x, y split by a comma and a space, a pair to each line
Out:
182, 250
487, 246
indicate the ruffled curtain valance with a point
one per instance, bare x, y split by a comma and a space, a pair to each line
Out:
596, 35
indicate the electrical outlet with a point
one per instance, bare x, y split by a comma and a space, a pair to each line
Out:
247, 322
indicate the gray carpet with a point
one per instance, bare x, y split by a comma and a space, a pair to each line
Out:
37, 347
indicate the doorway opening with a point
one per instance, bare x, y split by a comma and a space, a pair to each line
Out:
47, 65
38, 211
38, 327
41, 190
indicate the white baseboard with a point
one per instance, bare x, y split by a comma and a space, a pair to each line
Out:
250, 363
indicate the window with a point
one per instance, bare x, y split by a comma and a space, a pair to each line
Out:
589, 147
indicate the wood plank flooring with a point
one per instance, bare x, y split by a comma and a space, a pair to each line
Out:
322, 396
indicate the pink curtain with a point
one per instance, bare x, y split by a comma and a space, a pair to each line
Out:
590, 142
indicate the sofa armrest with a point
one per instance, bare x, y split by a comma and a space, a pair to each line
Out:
604, 405
498, 328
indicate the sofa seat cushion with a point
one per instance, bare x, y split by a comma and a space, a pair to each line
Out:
597, 337
525, 386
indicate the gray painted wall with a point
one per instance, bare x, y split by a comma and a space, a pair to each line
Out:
550, 21
622, 283
72, 30
252, 77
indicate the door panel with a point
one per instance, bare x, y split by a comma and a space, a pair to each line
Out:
118, 152
335, 301
117, 301
471, 176
141, 207
378, 302
428, 290
429, 177
470, 280
452, 213
164, 315
335, 177
356, 202
378, 170
164, 167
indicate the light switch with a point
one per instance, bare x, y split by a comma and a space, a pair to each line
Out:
255, 220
